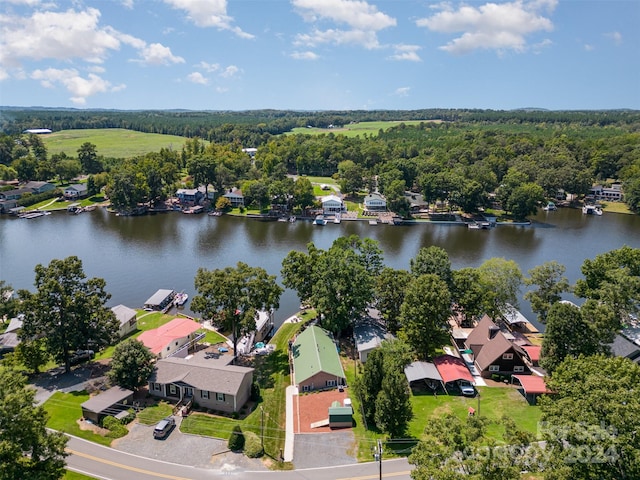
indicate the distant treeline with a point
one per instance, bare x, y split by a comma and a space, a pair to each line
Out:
256, 127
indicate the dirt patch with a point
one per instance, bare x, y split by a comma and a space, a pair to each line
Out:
313, 407
84, 425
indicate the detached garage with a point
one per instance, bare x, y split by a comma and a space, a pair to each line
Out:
110, 402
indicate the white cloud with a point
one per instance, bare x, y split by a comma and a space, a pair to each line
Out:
490, 26
197, 77
3, 74
230, 71
209, 13
222, 89
208, 67
615, 36
308, 55
402, 91
68, 36
588, 47
79, 87
158, 54
363, 22
127, 4
406, 53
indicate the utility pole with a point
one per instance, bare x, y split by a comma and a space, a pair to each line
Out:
262, 428
377, 454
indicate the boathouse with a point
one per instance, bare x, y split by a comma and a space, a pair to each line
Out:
159, 300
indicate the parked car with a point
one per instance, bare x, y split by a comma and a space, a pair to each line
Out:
164, 427
80, 356
467, 389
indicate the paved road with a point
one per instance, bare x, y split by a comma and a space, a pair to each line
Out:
105, 463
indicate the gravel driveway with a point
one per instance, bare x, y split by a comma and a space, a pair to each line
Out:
323, 449
183, 449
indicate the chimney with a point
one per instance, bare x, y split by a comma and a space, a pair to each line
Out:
493, 331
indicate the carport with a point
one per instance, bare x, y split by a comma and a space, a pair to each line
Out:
532, 386
424, 372
452, 369
110, 402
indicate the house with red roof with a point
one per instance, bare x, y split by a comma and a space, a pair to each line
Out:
452, 369
166, 340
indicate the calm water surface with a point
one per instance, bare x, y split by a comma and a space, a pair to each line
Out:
138, 255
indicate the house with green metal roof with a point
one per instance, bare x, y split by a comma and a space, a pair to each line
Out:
316, 363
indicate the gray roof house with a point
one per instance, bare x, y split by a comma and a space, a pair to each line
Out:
75, 191
368, 335
127, 317
9, 339
621, 347
110, 402
210, 384
40, 187
375, 202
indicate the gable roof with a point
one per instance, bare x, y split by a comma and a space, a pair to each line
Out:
374, 196
106, 399
479, 336
420, 371
331, 198
315, 352
78, 187
452, 369
369, 335
533, 351
494, 349
621, 347
532, 384
213, 377
123, 313
158, 338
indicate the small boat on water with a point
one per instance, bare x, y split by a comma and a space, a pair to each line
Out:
320, 220
34, 214
180, 299
292, 219
215, 213
592, 210
550, 207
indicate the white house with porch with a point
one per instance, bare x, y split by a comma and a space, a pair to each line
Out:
332, 204
374, 202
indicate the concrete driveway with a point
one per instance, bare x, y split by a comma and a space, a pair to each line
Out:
184, 449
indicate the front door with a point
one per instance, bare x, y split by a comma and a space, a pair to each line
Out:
188, 392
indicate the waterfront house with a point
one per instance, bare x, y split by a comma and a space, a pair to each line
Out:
368, 335
159, 300
493, 352
236, 197
114, 402
613, 193
76, 191
7, 205
189, 196
127, 318
171, 338
9, 340
316, 363
207, 382
622, 347
374, 202
15, 194
40, 187
333, 204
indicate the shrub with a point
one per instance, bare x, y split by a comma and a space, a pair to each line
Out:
236, 440
235, 415
116, 429
255, 392
252, 445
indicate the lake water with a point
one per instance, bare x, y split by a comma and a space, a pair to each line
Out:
138, 255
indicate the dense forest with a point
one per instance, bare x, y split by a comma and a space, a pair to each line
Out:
467, 159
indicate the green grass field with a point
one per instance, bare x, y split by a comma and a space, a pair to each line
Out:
355, 129
111, 142
69, 475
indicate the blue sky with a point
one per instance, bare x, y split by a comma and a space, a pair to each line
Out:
320, 54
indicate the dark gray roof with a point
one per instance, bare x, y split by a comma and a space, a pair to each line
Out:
123, 313
369, 335
159, 297
106, 399
621, 347
422, 370
225, 379
9, 341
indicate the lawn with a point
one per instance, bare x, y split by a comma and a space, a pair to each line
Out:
111, 142
64, 412
69, 475
155, 413
354, 129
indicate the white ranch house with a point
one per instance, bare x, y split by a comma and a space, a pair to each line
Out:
333, 204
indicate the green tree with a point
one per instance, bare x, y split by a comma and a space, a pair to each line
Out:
393, 404
524, 200
467, 294
126, 189
26, 168
27, 448
67, 170
236, 439
131, 364
298, 271
551, 283
570, 334
32, 354
68, 310
88, 157
351, 177
8, 302
223, 204
231, 297
424, 315
303, 195
457, 448
389, 292
501, 280
590, 423
433, 260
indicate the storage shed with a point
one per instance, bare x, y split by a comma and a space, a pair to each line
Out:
339, 416
109, 402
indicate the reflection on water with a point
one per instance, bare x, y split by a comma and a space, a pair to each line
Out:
138, 255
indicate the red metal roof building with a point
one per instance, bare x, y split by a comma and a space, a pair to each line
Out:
168, 338
452, 369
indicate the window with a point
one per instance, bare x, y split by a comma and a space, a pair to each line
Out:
220, 397
305, 388
172, 389
204, 394
188, 392
331, 383
494, 368
518, 368
157, 387
507, 356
